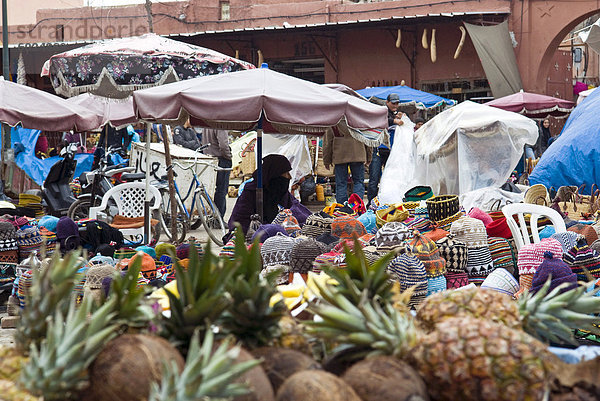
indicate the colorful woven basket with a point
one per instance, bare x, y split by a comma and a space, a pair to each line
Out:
389, 213
443, 206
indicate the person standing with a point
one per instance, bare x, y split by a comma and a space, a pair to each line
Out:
345, 152
382, 153
218, 146
543, 138
186, 136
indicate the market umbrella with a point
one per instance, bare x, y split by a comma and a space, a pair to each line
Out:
533, 105
116, 67
409, 97
116, 112
265, 100
36, 109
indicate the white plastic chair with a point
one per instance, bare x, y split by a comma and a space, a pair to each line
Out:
129, 199
520, 231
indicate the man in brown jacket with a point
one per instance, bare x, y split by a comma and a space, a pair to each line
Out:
346, 152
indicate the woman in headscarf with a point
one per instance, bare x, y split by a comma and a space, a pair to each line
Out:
276, 181
543, 138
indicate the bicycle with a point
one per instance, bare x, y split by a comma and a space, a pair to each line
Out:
202, 211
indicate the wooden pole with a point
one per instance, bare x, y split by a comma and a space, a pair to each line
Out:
170, 178
147, 198
149, 14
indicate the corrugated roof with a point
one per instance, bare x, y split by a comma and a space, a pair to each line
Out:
323, 24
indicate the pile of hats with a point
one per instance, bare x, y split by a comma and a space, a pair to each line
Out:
32, 202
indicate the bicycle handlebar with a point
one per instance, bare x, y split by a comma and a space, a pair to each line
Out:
191, 166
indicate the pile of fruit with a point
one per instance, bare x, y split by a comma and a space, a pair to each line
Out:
230, 336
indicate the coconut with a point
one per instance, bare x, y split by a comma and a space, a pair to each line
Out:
256, 379
281, 363
127, 366
315, 385
385, 378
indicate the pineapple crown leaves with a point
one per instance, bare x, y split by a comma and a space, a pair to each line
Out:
552, 315
360, 275
202, 295
57, 367
250, 316
50, 290
129, 303
207, 374
371, 323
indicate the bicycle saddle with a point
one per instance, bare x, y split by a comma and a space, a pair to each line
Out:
132, 176
164, 177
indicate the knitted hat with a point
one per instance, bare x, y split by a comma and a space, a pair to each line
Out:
148, 265
568, 239
8, 237
164, 249
479, 214
49, 222
502, 254
317, 224
65, 227
455, 253
427, 252
290, 224
499, 228
391, 235
328, 239
347, 227
547, 232
502, 281
303, 254
559, 272
29, 239
183, 250
421, 210
277, 250
409, 271
596, 246
581, 259
436, 284
368, 220
531, 256
331, 258
267, 231
124, 253
428, 228
456, 279
418, 193
586, 230
479, 260
147, 249
283, 213
95, 274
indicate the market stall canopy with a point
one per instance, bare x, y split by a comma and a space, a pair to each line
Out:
408, 96
345, 89
116, 112
466, 147
572, 159
591, 36
533, 105
281, 103
36, 109
116, 67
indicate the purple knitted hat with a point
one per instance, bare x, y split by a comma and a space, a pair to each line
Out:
266, 231
558, 269
66, 228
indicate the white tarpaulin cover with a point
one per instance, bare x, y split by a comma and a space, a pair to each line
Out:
591, 36
466, 147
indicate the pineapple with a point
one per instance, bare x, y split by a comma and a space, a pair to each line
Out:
50, 292
11, 363
546, 315
10, 392
249, 316
461, 358
207, 374
130, 306
57, 366
202, 297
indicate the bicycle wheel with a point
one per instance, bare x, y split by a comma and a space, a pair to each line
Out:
211, 218
165, 217
80, 209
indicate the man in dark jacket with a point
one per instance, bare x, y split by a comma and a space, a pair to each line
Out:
186, 136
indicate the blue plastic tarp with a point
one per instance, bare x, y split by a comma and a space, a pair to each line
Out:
422, 100
36, 168
574, 158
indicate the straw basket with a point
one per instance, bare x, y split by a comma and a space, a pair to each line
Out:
443, 206
576, 205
